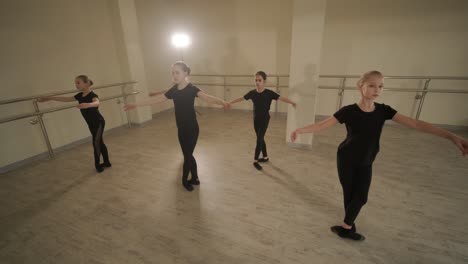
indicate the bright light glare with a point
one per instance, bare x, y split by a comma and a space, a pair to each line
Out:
180, 40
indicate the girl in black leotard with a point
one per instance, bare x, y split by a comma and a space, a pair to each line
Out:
183, 94
261, 99
364, 122
88, 105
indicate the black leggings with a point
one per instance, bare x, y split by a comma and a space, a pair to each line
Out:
188, 136
261, 126
97, 129
355, 181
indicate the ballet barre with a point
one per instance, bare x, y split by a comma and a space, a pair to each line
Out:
419, 97
277, 84
39, 113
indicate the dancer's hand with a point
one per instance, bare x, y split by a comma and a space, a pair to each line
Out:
226, 105
462, 144
294, 105
43, 99
128, 107
294, 135
82, 106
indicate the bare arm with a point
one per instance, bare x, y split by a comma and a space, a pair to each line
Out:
57, 98
287, 100
235, 101
422, 126
158, 93
314, 127
157, 100
211, 99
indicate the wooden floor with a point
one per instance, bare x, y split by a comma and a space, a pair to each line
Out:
62, 211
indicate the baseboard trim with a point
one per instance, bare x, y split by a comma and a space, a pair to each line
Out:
45, 155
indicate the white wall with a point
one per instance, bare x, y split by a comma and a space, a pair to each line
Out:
234, 37
417, 37
400, 37
45, 44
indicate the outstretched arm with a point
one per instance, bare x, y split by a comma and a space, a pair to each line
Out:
158, 99
211, 99
235, 101
422, 126
287, 100
57, 98
314, 127
157, 93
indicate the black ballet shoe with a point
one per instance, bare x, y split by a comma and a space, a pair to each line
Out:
347, 233
257, 166
195, 181
106, 165
99, 168
263, 160
188, 186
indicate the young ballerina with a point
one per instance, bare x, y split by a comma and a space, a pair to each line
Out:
261, 98
183, 94
88, 105
364, 122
